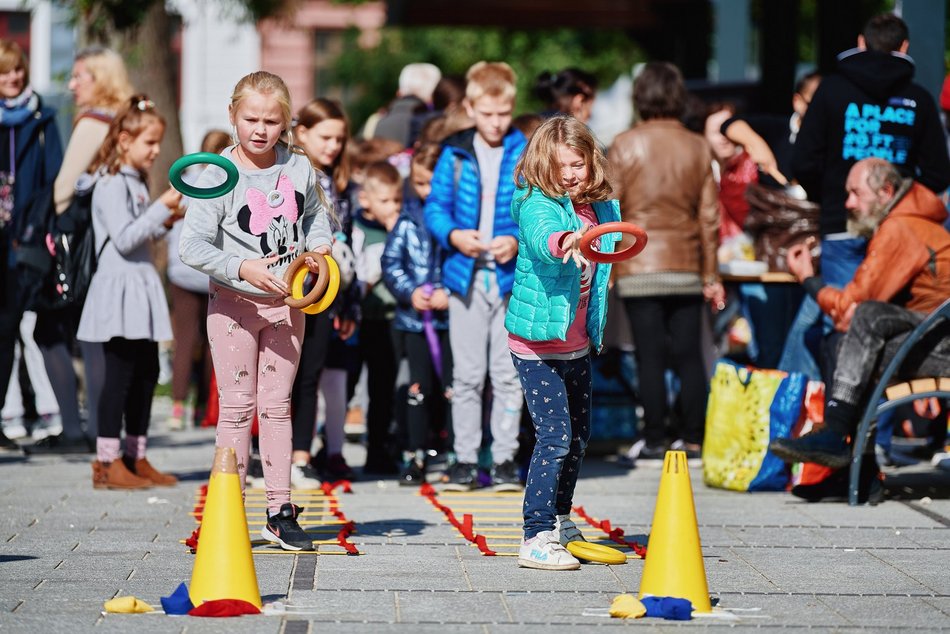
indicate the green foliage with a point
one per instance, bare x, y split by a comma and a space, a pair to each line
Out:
100, 17
370, 75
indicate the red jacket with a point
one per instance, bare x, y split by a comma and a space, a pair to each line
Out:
908, 261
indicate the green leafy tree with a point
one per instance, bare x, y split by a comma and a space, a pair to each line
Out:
368, 77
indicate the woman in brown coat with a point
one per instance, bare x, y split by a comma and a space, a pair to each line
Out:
662, 174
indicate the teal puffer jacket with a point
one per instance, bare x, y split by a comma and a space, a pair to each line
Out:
545, 294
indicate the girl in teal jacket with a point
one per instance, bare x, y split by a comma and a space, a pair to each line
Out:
556, 314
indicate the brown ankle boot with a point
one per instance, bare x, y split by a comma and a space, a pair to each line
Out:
98, 475
144, 469
115, 475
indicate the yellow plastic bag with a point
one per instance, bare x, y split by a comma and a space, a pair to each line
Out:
747, 408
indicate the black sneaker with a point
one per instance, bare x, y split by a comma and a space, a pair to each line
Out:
505, 477
834, 488
283, 529
462, 476
412, 475
379, 463
60, 444
336, 469
7, 445
823, 446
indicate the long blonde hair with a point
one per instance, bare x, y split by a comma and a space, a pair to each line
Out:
111, 87
539, 165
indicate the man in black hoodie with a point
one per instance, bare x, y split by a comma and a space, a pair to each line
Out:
869, 108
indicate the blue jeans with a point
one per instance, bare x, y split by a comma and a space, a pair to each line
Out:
558, 394
839, 260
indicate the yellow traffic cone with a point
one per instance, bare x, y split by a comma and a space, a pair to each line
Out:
674, 563
224, 567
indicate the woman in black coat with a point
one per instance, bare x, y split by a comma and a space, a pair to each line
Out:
30, 156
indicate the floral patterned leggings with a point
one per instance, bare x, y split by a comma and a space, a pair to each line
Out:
558, 394
255, 347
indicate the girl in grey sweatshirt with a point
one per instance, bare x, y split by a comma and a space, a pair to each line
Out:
244, 241
125, 309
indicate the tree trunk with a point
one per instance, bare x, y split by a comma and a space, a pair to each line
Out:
153, 70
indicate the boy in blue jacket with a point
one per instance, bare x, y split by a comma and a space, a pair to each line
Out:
412, 271
468, 213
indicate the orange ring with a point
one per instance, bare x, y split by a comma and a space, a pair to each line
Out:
588, 251
299, 300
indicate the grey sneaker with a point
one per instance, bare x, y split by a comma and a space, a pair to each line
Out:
462, 476
304, 477
47, 425
504, 477
544, 552
13, 428
567, 531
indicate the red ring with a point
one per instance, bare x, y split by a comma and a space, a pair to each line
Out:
588, 251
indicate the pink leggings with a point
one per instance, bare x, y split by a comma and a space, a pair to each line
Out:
255, 348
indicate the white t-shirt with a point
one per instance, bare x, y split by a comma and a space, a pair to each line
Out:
489, 166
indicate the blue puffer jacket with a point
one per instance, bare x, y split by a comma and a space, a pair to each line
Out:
455, 203
546, 291
411, 258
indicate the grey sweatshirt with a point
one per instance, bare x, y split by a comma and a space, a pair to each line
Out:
279, 210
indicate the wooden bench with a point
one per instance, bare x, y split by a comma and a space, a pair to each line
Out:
896, 394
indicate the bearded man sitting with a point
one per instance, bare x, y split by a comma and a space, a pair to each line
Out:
905, 276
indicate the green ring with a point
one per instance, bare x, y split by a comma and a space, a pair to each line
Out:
199, 158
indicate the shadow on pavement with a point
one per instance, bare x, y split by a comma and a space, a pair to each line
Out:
402, 527
916, 485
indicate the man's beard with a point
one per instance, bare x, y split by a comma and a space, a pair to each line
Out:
866, 226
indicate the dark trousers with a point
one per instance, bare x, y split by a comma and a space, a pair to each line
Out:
558, 394
303, 397
189, 310
426, 394
876, 332
131, 375
666, 333
376, 348
10, 315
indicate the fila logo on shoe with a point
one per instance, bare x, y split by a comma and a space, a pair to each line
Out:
539, 555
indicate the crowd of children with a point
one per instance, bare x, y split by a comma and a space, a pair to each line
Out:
459, 255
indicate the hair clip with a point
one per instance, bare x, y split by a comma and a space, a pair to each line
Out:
145, 104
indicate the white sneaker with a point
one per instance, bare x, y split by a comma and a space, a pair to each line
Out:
567, 531
47, 425
544, 552
303, 476
13, 428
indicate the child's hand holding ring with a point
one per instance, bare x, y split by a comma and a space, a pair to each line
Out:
572, 249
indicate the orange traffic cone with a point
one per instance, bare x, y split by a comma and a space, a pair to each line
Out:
224, 567
674, 563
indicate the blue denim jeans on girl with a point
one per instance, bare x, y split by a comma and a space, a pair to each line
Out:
558, 394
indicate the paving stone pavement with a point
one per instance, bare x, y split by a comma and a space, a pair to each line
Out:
771, 561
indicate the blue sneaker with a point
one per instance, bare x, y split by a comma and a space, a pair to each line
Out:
824, 447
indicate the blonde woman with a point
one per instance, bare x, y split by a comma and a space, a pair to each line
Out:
100, 86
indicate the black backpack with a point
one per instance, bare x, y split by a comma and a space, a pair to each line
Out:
56, 255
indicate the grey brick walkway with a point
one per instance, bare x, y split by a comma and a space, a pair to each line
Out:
771, 561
